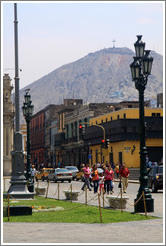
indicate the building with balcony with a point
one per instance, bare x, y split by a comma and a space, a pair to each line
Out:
75, 152
122, 129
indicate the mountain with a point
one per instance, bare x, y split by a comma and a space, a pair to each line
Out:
102, 76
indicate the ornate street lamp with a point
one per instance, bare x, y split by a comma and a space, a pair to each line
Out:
18, 188
27, 112
140, 70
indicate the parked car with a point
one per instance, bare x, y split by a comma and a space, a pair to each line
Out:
42, 174
74, 170
60, 174
155, 178
80, 175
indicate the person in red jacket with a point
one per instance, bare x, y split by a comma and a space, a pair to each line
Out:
95, 178
109, 177
124, 174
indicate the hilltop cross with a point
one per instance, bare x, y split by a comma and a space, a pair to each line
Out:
114, 43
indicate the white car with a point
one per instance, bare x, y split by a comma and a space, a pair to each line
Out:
60, 174
74, 170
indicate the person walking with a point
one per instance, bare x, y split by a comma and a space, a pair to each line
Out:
109, 177
124, 175
95, 178
104, 169
101, 183
33, 171
86, 172
117, 171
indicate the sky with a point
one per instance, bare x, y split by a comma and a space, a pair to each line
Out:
52, 34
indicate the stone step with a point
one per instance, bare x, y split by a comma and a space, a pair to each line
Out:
134, 173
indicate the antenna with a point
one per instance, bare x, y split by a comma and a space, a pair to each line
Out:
113, 41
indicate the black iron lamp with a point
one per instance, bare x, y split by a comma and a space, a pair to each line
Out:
139, 47
27, 112
140, 70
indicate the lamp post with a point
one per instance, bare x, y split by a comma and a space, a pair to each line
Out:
27, 112
18, 188
140, 70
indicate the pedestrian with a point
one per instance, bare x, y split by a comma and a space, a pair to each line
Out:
117, 171
86, 172
90, 180
33, 171
95, 178
101, 183
104, 170
113, 166
109, 177
124, 175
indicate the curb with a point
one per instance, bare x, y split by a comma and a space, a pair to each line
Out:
130, 181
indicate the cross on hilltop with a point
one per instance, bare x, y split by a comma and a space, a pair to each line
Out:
113, 43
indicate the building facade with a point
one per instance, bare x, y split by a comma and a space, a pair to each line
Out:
8, 125
122, 129
37, 136
71, 105
23, 129
160, 100
75, 150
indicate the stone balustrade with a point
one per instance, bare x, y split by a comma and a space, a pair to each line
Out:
117, 202
71, 195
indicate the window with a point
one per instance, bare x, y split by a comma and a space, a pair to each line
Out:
106, 120
118, 116
96, 122
134, 129
72, 133
111, 118
158, 114
153, 114
101, 121
124, 116
96, 156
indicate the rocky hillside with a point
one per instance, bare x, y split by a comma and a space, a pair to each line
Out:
102, 76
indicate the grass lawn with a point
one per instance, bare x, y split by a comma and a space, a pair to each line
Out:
70, 213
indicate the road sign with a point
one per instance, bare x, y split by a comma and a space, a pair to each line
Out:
89, 156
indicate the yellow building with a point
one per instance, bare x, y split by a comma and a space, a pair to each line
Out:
122, 129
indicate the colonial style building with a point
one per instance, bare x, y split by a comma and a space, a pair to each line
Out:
41, 127
8, 117
59, 140
37, 130
160, 100
122, 129
75, 152
23, 130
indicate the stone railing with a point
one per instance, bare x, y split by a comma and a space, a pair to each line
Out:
117, 202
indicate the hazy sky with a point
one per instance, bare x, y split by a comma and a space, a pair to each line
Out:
52, 34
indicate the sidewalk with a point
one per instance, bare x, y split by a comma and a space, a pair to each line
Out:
150, 231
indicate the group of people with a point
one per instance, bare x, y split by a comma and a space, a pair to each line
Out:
105, 181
